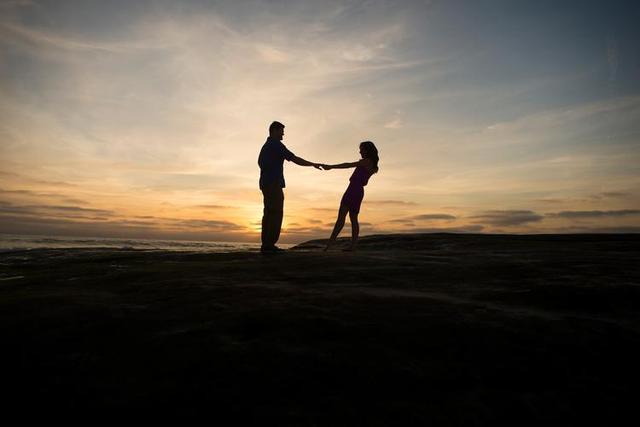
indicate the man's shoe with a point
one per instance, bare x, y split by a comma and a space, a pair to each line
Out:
271, 249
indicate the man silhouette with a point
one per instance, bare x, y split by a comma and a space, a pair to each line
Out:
271, 160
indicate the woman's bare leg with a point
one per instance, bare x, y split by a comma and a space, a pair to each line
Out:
342, 214
355, 229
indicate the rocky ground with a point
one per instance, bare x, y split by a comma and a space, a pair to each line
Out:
442, 328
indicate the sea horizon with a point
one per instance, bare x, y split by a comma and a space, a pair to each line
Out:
16, 242
13, 242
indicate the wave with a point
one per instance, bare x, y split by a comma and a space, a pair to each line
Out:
14, 242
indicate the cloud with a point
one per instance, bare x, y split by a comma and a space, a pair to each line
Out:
184, 181
134, 223
394, 124
47, 213
410, 221
74, 209
402, 221
30, 180
307, 231
390, 203
615, 194
272, 55
324, 209
123, 228
73, 200
610, 195
37, 194
213, 225
20, 192
551, 200
461, 229
53, 210
594, 214
564, 116
508, 217
16, 33
213, 207
428, 217
589, 198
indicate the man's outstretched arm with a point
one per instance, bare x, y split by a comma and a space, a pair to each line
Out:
340, 166
302, 162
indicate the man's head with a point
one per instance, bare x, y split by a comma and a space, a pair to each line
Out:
276, 130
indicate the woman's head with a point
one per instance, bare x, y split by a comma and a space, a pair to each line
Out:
369, 151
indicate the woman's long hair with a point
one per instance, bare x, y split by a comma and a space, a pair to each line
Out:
371, 152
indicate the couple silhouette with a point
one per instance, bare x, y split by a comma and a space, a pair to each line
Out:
271, 161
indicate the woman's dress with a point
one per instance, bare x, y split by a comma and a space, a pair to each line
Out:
354, 194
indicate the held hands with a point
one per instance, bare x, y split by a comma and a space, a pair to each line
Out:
322, 166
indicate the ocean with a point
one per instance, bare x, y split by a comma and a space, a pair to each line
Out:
12, 242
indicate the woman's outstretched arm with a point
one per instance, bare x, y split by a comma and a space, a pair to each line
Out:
340, 166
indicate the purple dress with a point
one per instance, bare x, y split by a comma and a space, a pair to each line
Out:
352, 198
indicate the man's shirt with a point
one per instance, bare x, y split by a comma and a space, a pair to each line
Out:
271, 160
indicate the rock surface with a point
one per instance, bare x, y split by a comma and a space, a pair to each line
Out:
443, 328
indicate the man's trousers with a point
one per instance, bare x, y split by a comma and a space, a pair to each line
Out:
273, 197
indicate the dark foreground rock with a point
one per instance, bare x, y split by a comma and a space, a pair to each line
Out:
441, 328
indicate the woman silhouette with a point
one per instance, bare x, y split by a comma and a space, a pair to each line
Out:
352, 198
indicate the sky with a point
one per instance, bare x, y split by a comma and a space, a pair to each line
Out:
145, 119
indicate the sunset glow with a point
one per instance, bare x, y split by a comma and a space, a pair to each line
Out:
145, 119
